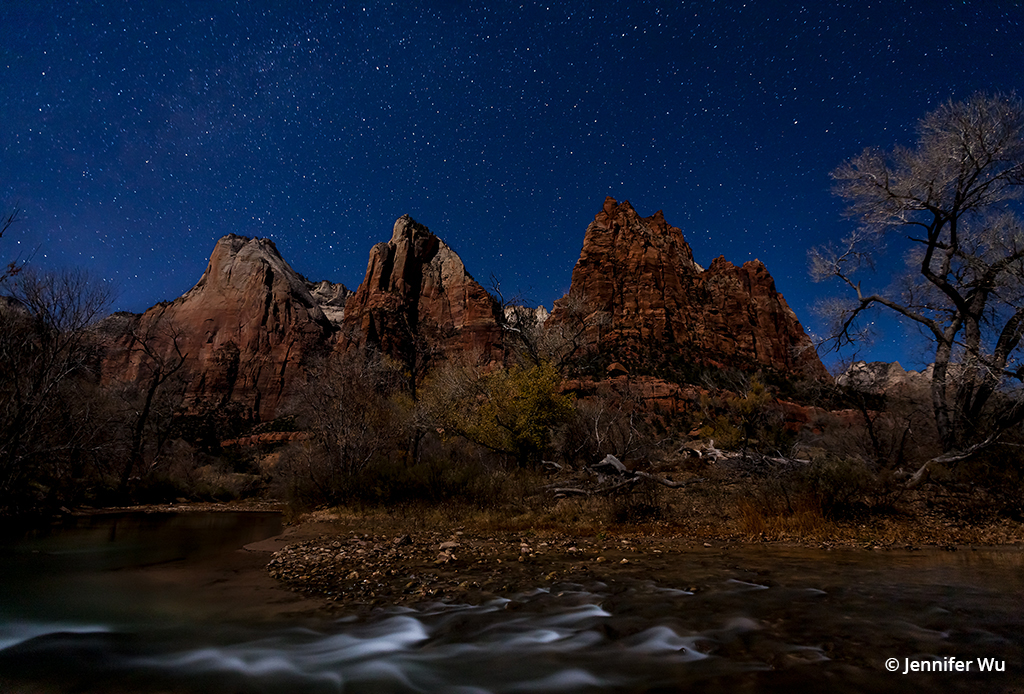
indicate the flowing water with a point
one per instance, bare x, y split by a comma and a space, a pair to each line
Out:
80, 613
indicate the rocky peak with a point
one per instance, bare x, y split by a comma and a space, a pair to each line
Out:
244, 330
331, 298
416, 296
883, 377
237, 262
653, 301
525, 314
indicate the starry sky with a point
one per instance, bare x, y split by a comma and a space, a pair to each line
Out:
135, 134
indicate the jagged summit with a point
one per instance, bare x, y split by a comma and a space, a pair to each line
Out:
884, 377
242, 268
331, 297
248, 327
653, 301
244, 331
416, 291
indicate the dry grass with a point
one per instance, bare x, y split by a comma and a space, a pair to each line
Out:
804, 521
720, 510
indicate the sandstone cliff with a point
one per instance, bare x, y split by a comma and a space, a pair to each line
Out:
331, 297
646, 300
244, 332
247, 328
418, 303
885, 377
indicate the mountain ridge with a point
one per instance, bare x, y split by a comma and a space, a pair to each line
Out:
251, 323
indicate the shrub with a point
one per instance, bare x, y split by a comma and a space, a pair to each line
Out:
643, 502
839, 486
613, 421
751, 421
507, 411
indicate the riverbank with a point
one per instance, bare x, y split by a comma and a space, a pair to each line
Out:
221, 601
343, 561
362, 560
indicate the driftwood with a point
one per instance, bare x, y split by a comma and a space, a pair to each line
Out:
666, 482
925, 470
612, 476
598, 491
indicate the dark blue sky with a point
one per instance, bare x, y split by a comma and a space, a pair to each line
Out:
134, 134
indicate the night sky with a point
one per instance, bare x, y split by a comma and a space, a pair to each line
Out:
135, 134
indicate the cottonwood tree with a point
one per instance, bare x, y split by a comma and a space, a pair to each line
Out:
950, 204
47, 366
151, 403
531, 338
510, 412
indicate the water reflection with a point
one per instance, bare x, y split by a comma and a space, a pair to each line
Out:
80, 569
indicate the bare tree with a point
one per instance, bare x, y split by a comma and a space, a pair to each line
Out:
522, 328
46, 359
531, 337
12, 267
951, 204
357, 418
160, 355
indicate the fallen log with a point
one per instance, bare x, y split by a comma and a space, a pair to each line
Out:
666, 482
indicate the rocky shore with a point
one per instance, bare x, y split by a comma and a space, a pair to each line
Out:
336, 562
367, 570
357, 564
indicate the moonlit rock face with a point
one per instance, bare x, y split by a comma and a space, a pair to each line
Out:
639, 275
417, 289
331, 297
245, 330
248, 327
884, 377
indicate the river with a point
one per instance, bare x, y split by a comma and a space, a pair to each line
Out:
122, 603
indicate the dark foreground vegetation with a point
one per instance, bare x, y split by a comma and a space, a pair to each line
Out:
508, 445
504, 449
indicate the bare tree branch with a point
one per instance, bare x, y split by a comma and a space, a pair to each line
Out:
955, 197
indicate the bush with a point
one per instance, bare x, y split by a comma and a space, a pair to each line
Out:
613, 421
641, 503
752, 421
507, 411
839, 486
794, 499
446, 474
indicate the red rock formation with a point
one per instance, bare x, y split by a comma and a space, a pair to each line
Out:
655, 395
745, 320
645, 298
246, 329
417, 299
244, 332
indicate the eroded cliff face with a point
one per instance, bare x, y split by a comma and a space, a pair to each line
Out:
418, 302
243, 333
246, 331
645, 298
